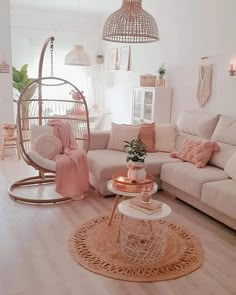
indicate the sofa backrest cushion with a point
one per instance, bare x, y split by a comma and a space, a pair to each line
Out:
120, 133
165, 135
220, 159
98, 140
197, 123
181, 137
225, 130
225, 134
230, 167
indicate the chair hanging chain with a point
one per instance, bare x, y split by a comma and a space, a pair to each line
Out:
51, 50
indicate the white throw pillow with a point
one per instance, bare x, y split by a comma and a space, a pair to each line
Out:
47, 146
165, 137
120, 133
36, 131
230, 167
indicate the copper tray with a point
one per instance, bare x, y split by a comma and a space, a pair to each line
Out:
123, 183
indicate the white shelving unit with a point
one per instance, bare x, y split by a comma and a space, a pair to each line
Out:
151, 104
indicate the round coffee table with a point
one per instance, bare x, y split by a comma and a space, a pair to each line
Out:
143, 236
120, 193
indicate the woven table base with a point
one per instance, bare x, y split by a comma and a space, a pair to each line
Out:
94, 246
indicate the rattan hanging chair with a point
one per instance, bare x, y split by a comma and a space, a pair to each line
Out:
54, 98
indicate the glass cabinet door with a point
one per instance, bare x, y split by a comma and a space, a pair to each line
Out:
148, 105
137, 106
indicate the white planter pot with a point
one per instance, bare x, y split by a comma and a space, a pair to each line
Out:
137, 171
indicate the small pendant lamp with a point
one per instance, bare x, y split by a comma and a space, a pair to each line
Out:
77, 57
131, 24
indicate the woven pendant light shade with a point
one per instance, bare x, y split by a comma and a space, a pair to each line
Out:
77, 57
131, 24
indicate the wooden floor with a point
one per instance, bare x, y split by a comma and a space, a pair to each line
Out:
34, 259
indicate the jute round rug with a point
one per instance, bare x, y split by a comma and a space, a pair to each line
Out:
94, 246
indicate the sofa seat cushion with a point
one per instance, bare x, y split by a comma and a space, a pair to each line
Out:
190, 179
221, 195
103, 163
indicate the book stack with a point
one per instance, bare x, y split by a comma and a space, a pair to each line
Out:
146, 207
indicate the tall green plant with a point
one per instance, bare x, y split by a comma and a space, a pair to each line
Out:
20, 81
20, 78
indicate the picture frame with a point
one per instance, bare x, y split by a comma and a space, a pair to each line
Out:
124, 58
4, 67
112, 61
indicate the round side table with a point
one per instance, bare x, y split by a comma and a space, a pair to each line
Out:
143, 236
119, 193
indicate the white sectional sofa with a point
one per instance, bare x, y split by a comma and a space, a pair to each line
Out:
209, 189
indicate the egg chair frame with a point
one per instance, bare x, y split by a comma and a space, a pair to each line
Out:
69, 108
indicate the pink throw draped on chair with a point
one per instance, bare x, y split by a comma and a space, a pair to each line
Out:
72, 174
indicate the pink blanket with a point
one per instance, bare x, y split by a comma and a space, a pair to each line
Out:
72, 175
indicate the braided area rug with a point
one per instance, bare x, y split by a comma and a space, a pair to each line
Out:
94, 246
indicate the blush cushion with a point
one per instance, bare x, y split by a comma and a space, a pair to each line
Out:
197, 152
47, 146
147, 135
120, 133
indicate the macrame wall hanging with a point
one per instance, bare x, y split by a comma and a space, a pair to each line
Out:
204, 84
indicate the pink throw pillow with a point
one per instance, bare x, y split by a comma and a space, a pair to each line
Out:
47, 146
197, 152
120, 133
147, 135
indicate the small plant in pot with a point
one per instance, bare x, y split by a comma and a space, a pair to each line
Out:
9, 129
136, 151
162, 72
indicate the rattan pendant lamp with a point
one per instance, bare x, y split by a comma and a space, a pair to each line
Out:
77, 56
131, 24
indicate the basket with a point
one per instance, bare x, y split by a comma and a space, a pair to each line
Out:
148, 80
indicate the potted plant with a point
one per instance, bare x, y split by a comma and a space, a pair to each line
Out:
137, 152
162, 72
20, 81
9, 129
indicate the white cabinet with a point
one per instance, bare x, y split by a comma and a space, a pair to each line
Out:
151, 104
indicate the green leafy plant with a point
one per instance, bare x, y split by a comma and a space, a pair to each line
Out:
20, 80
161, 71
136, 150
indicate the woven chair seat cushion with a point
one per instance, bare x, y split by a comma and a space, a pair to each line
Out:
42, 162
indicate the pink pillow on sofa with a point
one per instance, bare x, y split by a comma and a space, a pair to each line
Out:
120, 133
147, 135
197, 152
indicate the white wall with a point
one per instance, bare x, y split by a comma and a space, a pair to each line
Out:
6, 102
31, 27
189, 29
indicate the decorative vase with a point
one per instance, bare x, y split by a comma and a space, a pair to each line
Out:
161, 82
137, 171
25, 124
146, 195
9, 132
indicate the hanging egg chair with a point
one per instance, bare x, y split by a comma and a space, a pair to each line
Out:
44, 99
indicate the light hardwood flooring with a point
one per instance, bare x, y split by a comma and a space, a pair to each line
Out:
34, 258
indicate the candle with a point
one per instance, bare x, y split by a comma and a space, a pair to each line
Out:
231, 66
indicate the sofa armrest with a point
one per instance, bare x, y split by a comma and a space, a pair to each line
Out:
99, 139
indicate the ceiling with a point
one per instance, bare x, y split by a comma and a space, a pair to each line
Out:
91, 6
